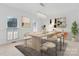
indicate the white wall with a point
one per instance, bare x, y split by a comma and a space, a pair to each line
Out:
6, 11
71, 17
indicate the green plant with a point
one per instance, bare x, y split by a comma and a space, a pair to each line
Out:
74, 29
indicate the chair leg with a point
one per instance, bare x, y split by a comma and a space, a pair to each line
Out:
63, 40
60, 44
56, 49
43, 53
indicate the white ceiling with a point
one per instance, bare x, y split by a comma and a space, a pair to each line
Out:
49, 9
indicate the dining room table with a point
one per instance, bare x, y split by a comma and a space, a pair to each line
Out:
37, 38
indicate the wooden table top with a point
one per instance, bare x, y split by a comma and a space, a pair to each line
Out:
40, 34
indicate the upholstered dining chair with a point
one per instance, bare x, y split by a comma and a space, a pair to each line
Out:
48, 44
58, 39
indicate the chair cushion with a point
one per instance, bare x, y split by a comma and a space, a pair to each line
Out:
44, 38
53, 38
47, 45
44, 48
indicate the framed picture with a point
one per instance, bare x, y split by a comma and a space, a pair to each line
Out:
60, 22
25, 22
12, 22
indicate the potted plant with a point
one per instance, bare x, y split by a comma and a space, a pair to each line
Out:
74, 30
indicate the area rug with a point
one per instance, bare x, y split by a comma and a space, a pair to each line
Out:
31, 52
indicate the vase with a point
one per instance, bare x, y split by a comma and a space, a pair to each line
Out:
74, 38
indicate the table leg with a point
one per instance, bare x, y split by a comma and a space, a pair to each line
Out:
36, 43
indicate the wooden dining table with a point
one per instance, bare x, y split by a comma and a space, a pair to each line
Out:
37, 38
